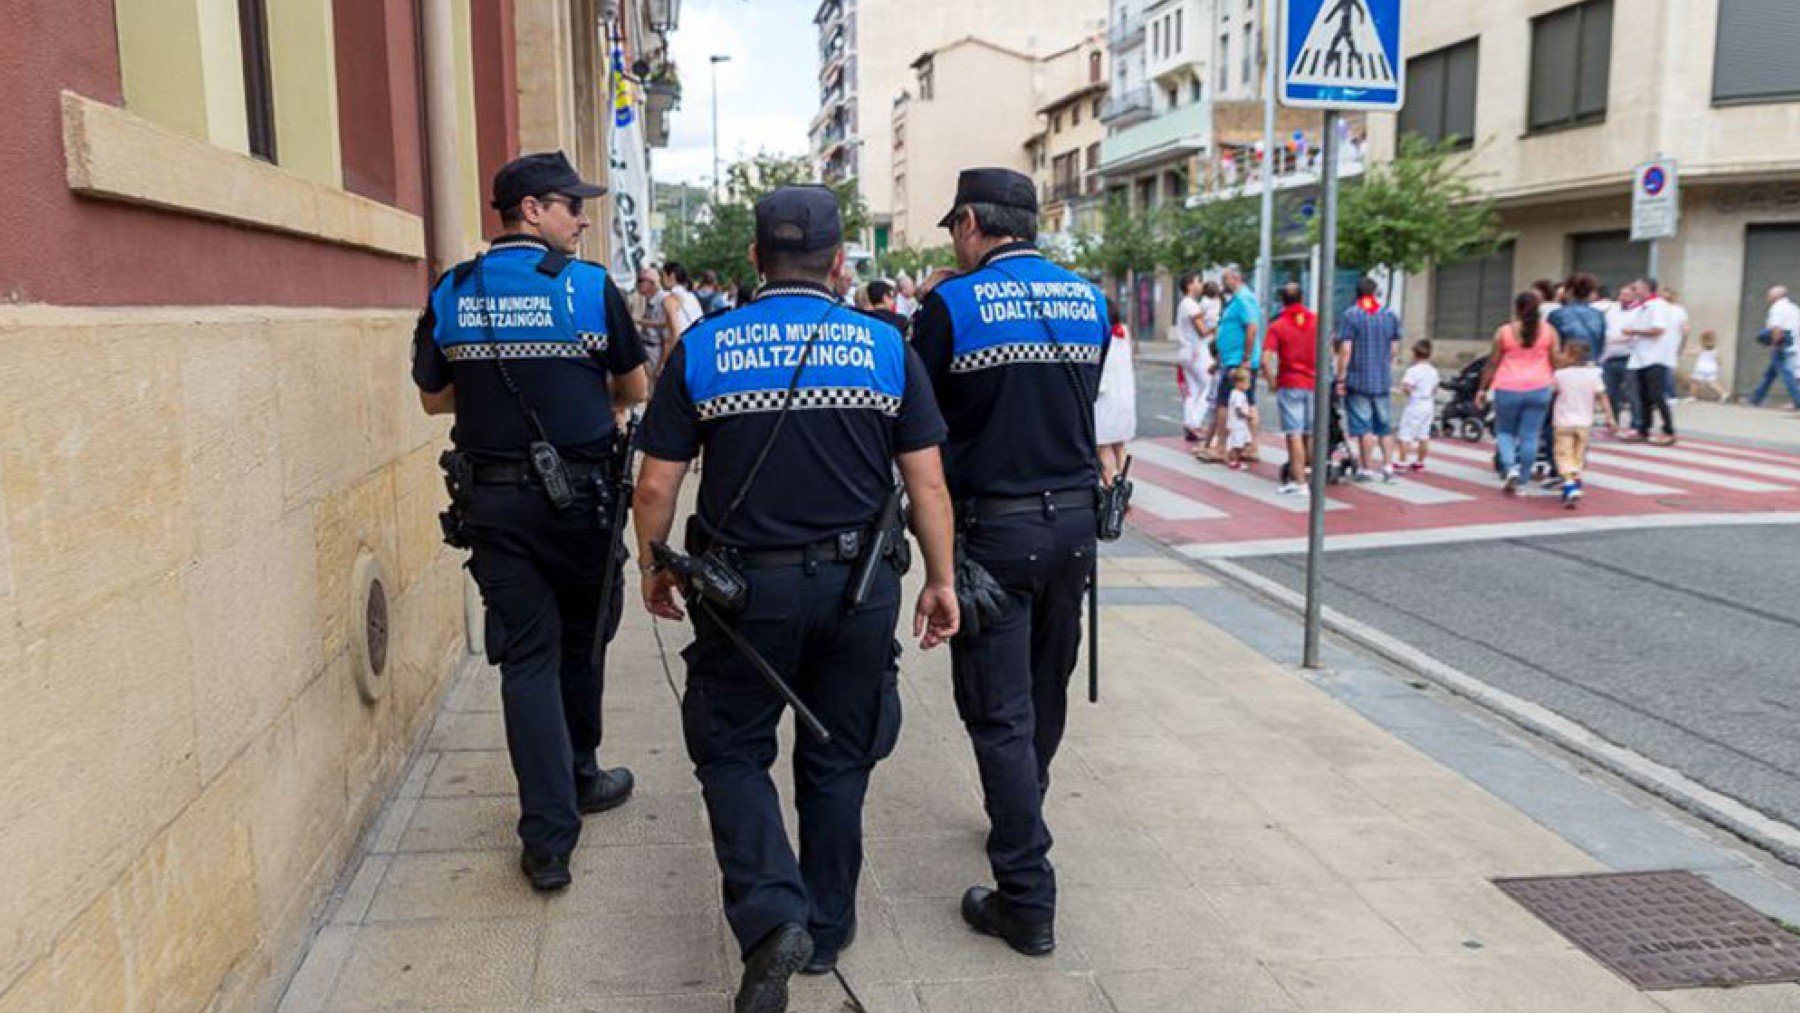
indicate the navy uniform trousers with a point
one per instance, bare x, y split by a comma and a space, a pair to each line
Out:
844, 667
1012, 686
539, 572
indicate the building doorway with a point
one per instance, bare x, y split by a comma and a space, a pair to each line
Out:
1771, 257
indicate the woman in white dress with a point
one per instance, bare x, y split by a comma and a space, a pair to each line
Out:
1115, 410
680, 306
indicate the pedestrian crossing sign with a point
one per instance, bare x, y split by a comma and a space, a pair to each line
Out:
1342, 54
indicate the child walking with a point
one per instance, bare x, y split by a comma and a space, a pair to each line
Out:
1580, 388
1704, 381
1240, 420
1420, 382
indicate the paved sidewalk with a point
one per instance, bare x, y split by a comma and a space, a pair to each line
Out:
1229, 837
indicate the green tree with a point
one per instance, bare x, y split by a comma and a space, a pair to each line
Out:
1423, 207
720, 236
1126, 242
917, 263
1209, 234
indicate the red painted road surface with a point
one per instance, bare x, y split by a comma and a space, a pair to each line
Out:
1206, 510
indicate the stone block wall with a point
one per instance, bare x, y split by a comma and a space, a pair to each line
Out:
185, 758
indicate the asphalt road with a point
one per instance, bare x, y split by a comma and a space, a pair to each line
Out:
1683, 644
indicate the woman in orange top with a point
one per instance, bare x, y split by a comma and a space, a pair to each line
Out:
1518, 376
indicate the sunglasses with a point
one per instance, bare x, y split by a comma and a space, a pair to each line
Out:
574, 203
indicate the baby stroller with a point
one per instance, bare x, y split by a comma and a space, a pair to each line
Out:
1459, 416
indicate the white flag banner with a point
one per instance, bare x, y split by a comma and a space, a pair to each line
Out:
630, 185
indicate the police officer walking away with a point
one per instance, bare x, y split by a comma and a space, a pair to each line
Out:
535, 352
803, 406
1014, 347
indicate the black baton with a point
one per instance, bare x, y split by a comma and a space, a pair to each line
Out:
1094, 630
801, 713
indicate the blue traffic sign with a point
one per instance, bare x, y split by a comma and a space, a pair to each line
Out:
1342, 54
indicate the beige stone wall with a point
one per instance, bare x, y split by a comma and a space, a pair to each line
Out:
185, 760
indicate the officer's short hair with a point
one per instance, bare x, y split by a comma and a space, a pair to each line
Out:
996, 221
812, 265
879, 291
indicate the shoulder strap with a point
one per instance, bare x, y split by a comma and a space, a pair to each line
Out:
553, 263
1084, 398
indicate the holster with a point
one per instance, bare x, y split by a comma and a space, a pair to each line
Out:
459, 481
979, 597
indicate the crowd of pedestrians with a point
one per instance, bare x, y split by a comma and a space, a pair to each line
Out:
1570, 359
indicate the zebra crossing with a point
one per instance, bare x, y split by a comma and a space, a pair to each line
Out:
1211, 511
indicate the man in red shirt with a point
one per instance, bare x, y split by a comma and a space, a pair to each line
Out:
1290, 358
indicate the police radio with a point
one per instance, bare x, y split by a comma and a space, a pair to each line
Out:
1112, 500
547, 465
707, 577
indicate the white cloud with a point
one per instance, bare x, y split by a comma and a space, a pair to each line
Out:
768, 91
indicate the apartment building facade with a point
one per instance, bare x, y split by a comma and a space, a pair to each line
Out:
866, 50
225, 608
1557, 102
1065, 151
971, 103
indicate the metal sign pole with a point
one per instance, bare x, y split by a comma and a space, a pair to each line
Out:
1322, 384
1265, 251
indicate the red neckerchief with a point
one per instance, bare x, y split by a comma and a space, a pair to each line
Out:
1367, 304
1298, 315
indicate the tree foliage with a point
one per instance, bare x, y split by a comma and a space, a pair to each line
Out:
1209, 234
916, 263
719, 237
1422, 207
1212, 233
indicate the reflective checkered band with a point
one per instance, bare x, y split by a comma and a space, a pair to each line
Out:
753, 401
594, 343
1031, 351
476, 350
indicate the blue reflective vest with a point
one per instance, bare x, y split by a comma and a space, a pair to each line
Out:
544, 315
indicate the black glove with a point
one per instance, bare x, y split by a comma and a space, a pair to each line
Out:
979, 596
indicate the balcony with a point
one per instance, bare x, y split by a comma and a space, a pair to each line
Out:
1176, 133
1125, 34
1124, 108
830, 11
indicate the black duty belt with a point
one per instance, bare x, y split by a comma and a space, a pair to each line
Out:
844, 548
987, 508
520, 473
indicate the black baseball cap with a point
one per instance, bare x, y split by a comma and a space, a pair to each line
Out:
538, 175
799, 219
1005, 188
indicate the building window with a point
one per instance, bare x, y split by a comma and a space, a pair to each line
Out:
1753, 55
1194, 90
1173, 95
1178, 30
1440, 94
925, 82
1611, 257
1056, 124
1571, 57
1094, 67
1095, 110
259, 94
1249, 53
1075, 115
1225, 61
1471, 298
1156, 39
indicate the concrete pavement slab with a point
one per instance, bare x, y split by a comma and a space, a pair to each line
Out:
1231, 834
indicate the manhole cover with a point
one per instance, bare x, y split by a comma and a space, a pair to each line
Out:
1662, 930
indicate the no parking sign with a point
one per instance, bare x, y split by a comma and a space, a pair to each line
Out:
1655, 200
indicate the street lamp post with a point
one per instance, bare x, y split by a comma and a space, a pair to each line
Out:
715, 60
1265, 253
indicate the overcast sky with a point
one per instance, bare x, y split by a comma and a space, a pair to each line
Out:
768, 92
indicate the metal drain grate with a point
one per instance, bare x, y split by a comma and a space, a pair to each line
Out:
1662, 930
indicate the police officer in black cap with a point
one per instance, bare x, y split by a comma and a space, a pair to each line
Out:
803, 407
1014, 346
536, 354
